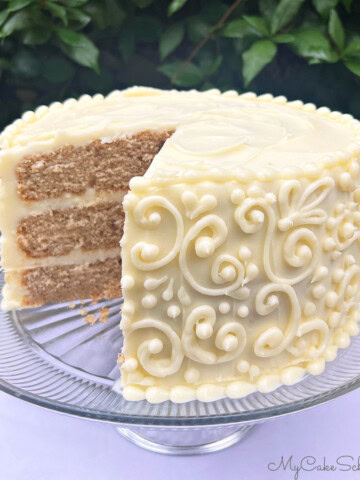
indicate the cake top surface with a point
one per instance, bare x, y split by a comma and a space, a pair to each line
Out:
213, 131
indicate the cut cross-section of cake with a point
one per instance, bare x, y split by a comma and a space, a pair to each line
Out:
65, 170
241, 246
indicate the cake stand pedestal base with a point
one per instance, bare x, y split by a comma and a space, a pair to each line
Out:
185, 441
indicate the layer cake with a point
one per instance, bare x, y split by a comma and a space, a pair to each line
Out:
240, 254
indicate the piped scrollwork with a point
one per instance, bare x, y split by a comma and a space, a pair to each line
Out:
229, 339
226, 270
301, 247
144, 255
273, 341
148, 349
313, 325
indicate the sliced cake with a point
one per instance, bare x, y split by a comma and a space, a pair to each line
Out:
240, 254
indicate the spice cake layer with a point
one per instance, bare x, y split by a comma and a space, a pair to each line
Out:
41, 285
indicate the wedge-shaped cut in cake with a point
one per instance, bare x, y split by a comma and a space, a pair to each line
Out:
241, 246
65, 170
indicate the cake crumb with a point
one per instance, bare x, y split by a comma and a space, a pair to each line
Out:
121, 358
71, 306
104, 315
83, 312
91, 319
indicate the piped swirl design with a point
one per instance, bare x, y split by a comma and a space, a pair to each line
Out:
265, 283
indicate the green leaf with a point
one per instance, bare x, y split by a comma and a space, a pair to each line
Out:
25, 64
57, 11
97, 14
74, 3
15, 5
142, 3
18, 21
36, 36
258, 23
79, 48
57, 70
237, 29
352, 50
175, 5
70, 38
39, 18
267, 7
283, 38
114, 14
197, 28
336, 30
324, 6
190, 76
347, 4
170, 39
242, 44
313, 45
210, 65
284, 13
353, 66
127, 42
78, 16
256, 58
3, 16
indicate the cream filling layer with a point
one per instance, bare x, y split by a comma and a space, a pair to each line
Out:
76, 257
13, 209
13, 295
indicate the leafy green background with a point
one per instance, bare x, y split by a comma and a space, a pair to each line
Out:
55, 49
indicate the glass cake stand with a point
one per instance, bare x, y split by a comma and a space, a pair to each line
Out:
52, 358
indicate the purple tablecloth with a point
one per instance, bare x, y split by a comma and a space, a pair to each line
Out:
37, 444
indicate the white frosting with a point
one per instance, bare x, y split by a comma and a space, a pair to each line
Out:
245, 132
262, 265
241, 240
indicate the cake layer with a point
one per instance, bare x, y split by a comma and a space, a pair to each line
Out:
105, 165
58, 232
38, 286
13, 211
